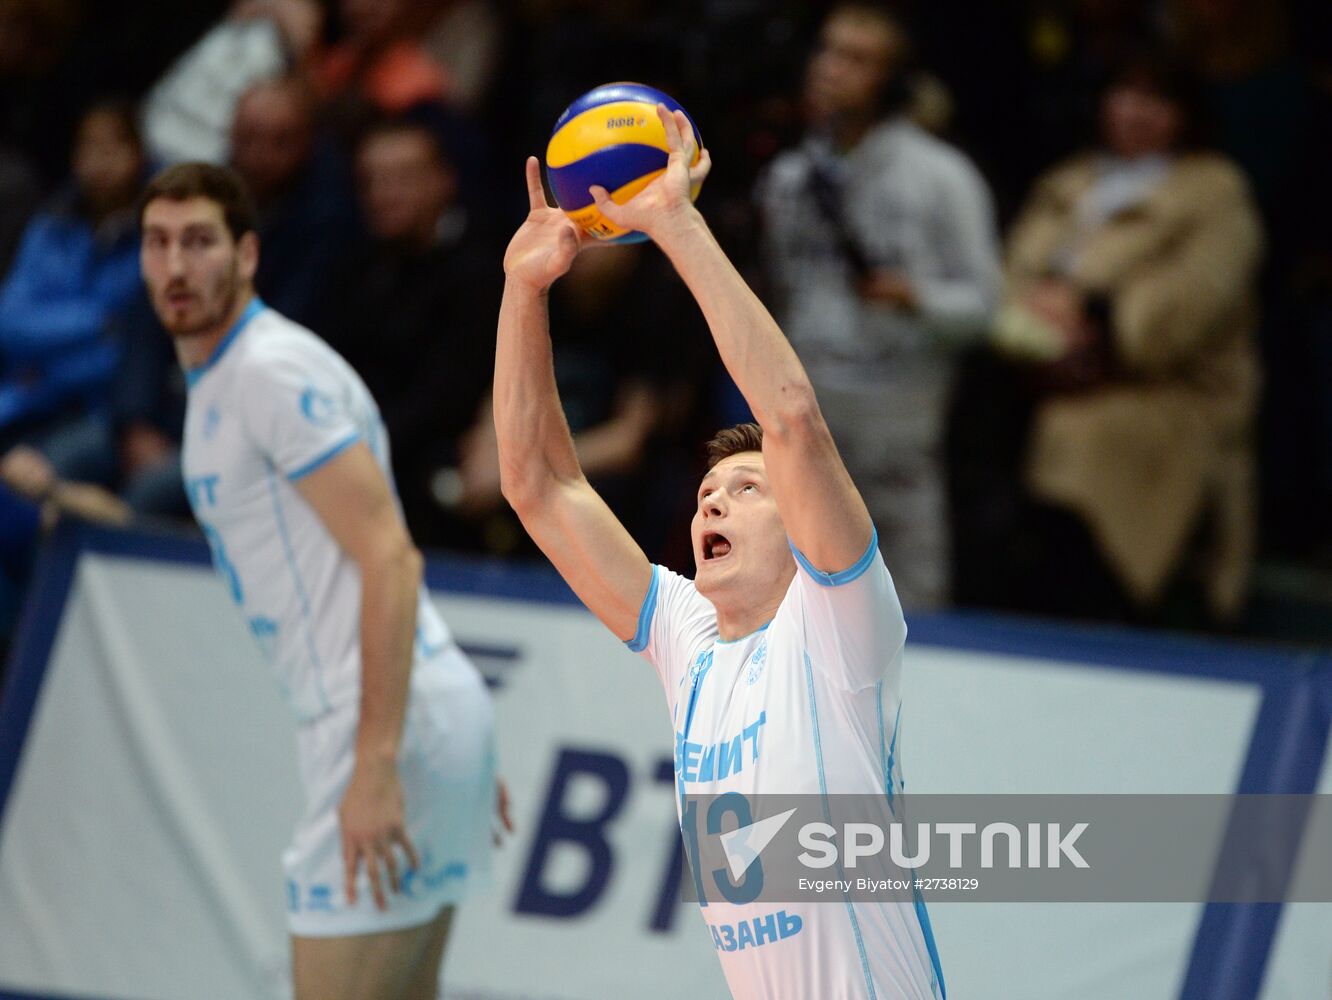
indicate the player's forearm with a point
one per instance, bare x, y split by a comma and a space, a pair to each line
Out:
536, 449
389, 587
752, 347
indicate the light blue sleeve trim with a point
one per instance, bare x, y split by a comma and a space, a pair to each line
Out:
325, 457
846, 575
640, 640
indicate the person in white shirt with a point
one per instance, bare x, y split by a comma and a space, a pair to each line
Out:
882, 256
781, 660
286, 465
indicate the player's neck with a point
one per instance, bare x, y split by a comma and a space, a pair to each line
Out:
196, 349
744, 617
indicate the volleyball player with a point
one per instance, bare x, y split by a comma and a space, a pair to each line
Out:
790, 634
286, 464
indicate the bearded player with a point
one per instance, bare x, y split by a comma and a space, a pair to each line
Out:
286, 464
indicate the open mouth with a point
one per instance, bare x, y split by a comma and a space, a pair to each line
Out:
715, 546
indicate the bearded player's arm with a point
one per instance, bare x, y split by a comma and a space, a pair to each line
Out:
540, 475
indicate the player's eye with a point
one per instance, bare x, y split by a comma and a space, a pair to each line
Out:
749, 488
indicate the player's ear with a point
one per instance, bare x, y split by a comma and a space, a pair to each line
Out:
247, 255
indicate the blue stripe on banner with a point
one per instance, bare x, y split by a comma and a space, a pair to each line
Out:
827, 817
1234, 940
36, 638
611, 167
1100, 646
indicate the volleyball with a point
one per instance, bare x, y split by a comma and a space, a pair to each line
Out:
610, 136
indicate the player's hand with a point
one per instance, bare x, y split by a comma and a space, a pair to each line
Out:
545, 245
371, 818
670, 196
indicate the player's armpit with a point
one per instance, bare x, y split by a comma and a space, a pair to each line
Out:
821, 509
589, 546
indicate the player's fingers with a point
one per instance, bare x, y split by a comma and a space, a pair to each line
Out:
603, 201
700, 170
506, 817
536, 194
350, 862
376, 880
687, 141
673, 141
408, 848
390, 865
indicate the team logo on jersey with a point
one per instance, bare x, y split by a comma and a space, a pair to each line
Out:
212, 418
757, 663
317, 407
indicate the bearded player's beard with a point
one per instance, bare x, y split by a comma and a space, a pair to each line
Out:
224, 294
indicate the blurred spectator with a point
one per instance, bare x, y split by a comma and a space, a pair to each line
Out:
414, 310
134, 449
884, 258
1132, 271
302, 192
188, 114
76, 272
464, 38
379, 63
1273, 121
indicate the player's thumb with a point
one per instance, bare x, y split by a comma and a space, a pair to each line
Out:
603, 201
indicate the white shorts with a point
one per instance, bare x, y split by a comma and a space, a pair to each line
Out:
447, 766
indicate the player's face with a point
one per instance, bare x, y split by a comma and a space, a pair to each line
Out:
193, 268
740, 543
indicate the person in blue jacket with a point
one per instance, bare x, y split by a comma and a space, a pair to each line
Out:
75, 273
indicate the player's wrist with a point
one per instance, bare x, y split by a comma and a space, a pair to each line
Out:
534, 287
678, 226
376, 757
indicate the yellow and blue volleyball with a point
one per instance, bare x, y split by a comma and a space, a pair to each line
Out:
610, 136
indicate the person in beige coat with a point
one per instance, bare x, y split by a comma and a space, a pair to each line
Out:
1131, 277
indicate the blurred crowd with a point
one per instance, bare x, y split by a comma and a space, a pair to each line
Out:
1061, 270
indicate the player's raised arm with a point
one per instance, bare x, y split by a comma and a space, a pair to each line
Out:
820, 507
539, 471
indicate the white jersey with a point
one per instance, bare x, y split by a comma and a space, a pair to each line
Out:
807, 705
271, 405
